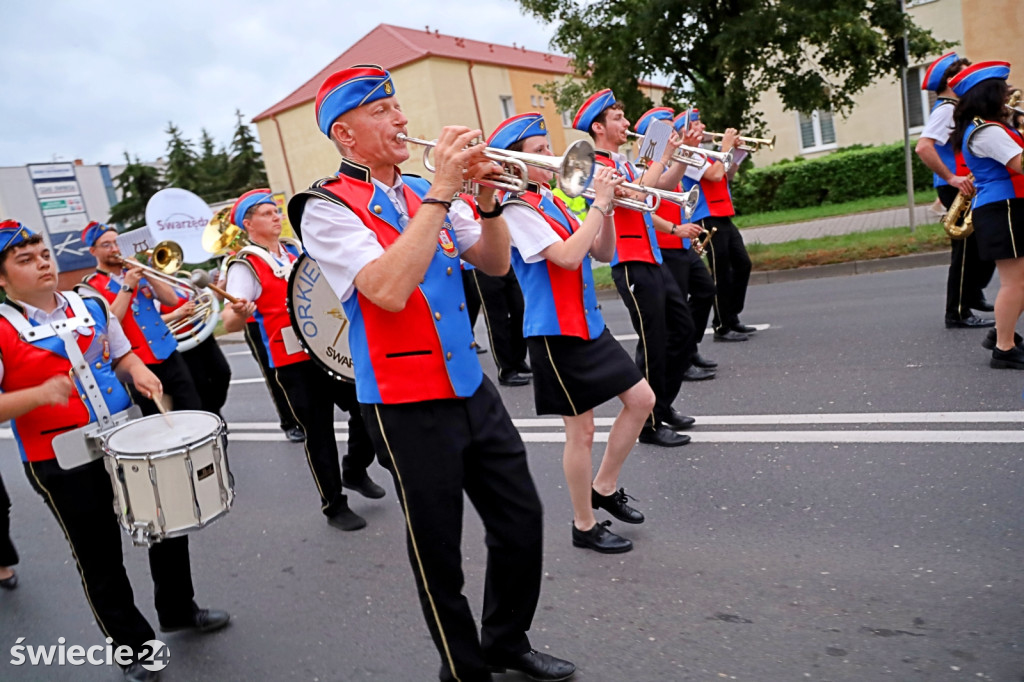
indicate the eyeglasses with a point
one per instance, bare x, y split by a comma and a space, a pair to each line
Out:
105, 245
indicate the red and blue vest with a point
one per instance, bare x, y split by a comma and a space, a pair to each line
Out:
635, 238
672, 212
28, 364
271, 307
952, 158
558, 302
142, 324
992, 180
426, 350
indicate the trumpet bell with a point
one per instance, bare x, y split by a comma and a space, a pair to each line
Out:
577, 168
167, 257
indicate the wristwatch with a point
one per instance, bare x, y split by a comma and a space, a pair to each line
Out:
126, 289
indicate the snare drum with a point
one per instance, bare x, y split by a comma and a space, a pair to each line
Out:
170, 474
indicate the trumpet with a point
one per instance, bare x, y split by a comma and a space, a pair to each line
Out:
691, 156
702, 245
649, 204
749, 144
573, 170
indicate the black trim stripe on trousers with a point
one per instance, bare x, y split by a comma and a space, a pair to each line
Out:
662, 320
311, 396
277, 396
730, 268
435, 451
695, 284
501, 300
968, 274
82, 501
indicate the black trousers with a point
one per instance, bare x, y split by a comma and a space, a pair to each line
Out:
211, 374
82, 501
662, 320
8, 553
502, 303
312, 395
472, 295
695, 284
968, 273
730, 269
277, 396
177, 382
436, 450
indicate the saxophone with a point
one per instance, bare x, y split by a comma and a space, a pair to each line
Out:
958, 221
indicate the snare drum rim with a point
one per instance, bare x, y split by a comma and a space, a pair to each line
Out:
119, 456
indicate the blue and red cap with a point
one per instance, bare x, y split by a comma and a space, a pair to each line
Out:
651, 115
517, 128
253, 197
976, 73
936, 70
93, 231
592, 108
349, 88
13, 233
686, 118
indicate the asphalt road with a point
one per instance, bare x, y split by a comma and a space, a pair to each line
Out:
849, 510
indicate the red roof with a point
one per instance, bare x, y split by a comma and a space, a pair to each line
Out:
394, 46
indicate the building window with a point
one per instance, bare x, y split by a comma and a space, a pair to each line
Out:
817, 131
920, 101
507, 107
567, 117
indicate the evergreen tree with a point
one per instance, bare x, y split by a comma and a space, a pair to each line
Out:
213, 170
182, 162
136, 184
246, 166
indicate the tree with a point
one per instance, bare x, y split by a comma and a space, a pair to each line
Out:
136, 184
212, 170
721, 55
182, 162
246, 168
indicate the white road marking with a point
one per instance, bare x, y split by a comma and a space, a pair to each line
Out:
709, 330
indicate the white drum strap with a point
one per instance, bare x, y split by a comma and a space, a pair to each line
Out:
65, 331
281, 271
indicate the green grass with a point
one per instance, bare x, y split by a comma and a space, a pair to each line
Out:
796, 215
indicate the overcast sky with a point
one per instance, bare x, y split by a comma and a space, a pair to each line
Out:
92, 80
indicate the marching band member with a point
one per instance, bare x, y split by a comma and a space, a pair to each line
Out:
206, 363
38, 395
992, 151
727, 256
501, 300
258, 277
8, 552
968, 274
577, 363
682, 260
389, 246
656, 307
134, 299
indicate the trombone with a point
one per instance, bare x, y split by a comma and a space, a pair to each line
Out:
691, 156
166, 259
747, 144
573, 170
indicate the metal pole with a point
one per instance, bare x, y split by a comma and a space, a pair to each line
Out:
908, 161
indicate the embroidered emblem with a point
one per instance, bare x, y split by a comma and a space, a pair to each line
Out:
387, 87
444, 238
106, 351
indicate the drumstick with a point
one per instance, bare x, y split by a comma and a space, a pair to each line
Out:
161, 409
201, 279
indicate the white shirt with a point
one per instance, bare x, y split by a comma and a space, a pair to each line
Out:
342, 245
119, 343
940, 124
529, 231
993, 142
697, 172
241, 281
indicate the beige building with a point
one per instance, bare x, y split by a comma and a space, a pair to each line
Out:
982, 30
440, 80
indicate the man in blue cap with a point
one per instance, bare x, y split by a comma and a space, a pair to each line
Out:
38, 395
389, 245
968, 275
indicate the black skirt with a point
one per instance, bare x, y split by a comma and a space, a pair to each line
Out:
999, 227
572, 375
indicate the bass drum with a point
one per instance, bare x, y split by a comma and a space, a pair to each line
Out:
318, 319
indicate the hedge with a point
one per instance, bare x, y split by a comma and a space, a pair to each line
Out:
845, 175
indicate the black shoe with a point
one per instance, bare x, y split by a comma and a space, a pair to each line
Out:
981, 305
729, 335
969, 322
537, 666
365, 487
10, 583
662, 436
1007, 359
346, 519
600, 539
203, 620
512, 379
524, 368
136, 673
989, 342
702, 362
743, 328
295, 434
678, 422
695, 373
616, 505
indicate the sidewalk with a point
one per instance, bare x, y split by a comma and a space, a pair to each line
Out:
836, 225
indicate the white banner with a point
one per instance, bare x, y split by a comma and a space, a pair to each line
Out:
181, 216
58, 188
